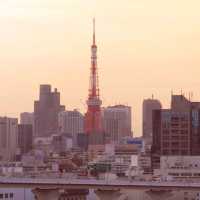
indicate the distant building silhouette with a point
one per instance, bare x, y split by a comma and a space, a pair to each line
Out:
148, 106
8, 138
46, 111
27, 118
25, 138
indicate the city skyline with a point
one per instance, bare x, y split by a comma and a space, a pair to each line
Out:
145, 44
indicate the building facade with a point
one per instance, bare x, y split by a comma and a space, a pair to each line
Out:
180, 167
25, 138
147, 109
27, 118
46, 111
8, 138
176, 131
72, 123
117, 122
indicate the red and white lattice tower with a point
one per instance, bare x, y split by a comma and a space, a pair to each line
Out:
93, 122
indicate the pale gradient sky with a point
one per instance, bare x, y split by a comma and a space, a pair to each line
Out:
145, 47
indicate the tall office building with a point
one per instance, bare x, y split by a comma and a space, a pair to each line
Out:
148, 106
8, 138
72, 123
117, 122
27, 118
25, 138
176, 131
46, 111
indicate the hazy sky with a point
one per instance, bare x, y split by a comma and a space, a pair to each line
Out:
144, 47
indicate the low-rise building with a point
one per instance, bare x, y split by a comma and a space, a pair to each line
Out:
180, 167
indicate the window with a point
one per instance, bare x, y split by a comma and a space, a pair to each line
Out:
174, 118
184, 125
175, 131
1, 196
184, 132
166, 131
175, 144
6, 195
175, 137
184, 144
166, 144
166, 137
184, 152
174, 124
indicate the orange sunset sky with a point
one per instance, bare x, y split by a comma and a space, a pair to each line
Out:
144, 47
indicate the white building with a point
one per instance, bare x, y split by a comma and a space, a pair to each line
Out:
16, 194
180, 167
117, 122
8, 138
72, 123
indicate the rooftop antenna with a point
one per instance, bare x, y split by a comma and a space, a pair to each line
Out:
94, 38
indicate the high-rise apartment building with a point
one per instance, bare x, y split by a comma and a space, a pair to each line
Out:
25, 138
8, 138
46, 111
148, 106
71, 123
117, 122
176, 131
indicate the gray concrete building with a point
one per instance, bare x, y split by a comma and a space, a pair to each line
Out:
46, 111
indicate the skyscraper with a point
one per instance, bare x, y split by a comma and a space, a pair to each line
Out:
8, 138
176, 131
72, 123
117, 122
46, 112
25, 137
148, 106
172, 130
93, 122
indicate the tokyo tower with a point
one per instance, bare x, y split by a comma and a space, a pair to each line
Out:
93, 122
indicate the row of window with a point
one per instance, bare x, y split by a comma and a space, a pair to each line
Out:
175, 131
184, 174
176, 144
178, 152
6, 195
